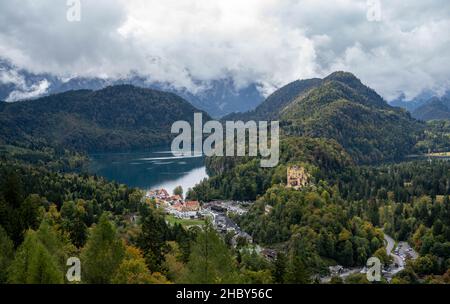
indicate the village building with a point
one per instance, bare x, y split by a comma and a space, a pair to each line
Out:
175, 204
192, 206
160, 193
178, 206
176, 198
297, 177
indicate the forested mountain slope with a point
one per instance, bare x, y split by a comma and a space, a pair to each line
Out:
340, 107
270, 108
344, 109
115, 118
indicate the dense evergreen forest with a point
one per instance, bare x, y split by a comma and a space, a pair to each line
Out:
49, 215
342, 215
362, 185
117, 118
342, 108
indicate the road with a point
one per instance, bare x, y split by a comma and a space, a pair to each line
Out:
403, 249
390, 243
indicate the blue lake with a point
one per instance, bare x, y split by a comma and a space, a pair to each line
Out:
153, 169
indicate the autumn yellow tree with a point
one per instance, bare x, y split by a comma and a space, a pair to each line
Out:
133, 270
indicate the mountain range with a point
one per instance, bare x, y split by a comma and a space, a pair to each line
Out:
216, 97
340, 107
434, 109
219, 98
428, 105
124, 117
411, 104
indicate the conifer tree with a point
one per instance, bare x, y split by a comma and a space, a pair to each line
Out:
152, 239
33, 263
102, 254
279, 268
210, 261
6, 254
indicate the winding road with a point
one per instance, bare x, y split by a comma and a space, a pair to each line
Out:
398, 264
390, 243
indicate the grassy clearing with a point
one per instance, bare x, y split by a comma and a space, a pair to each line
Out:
172, 220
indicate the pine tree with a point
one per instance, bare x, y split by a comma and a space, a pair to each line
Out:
6, 254
345, 255
13, 189
79, 232
210, 260
17, 216
29, 211
58, 245
102, 254
152, 239
73, 221
34, 264
279, 271
301, 258
297, 272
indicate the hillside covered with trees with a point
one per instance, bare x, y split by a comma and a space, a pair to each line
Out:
343, 213
117, 118
340, 107
51, 210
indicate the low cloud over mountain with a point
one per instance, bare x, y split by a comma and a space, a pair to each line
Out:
269, 43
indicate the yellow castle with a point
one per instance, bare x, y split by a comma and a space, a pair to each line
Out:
297, 177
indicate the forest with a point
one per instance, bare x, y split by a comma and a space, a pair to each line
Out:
116, 118
369, 171
50, 211
342, 216
50, 215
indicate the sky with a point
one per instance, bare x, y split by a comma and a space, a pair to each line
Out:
392, 46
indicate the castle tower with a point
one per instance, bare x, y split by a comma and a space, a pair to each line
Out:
297, 177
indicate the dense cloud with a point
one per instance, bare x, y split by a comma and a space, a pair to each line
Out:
264, 41
22, 88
